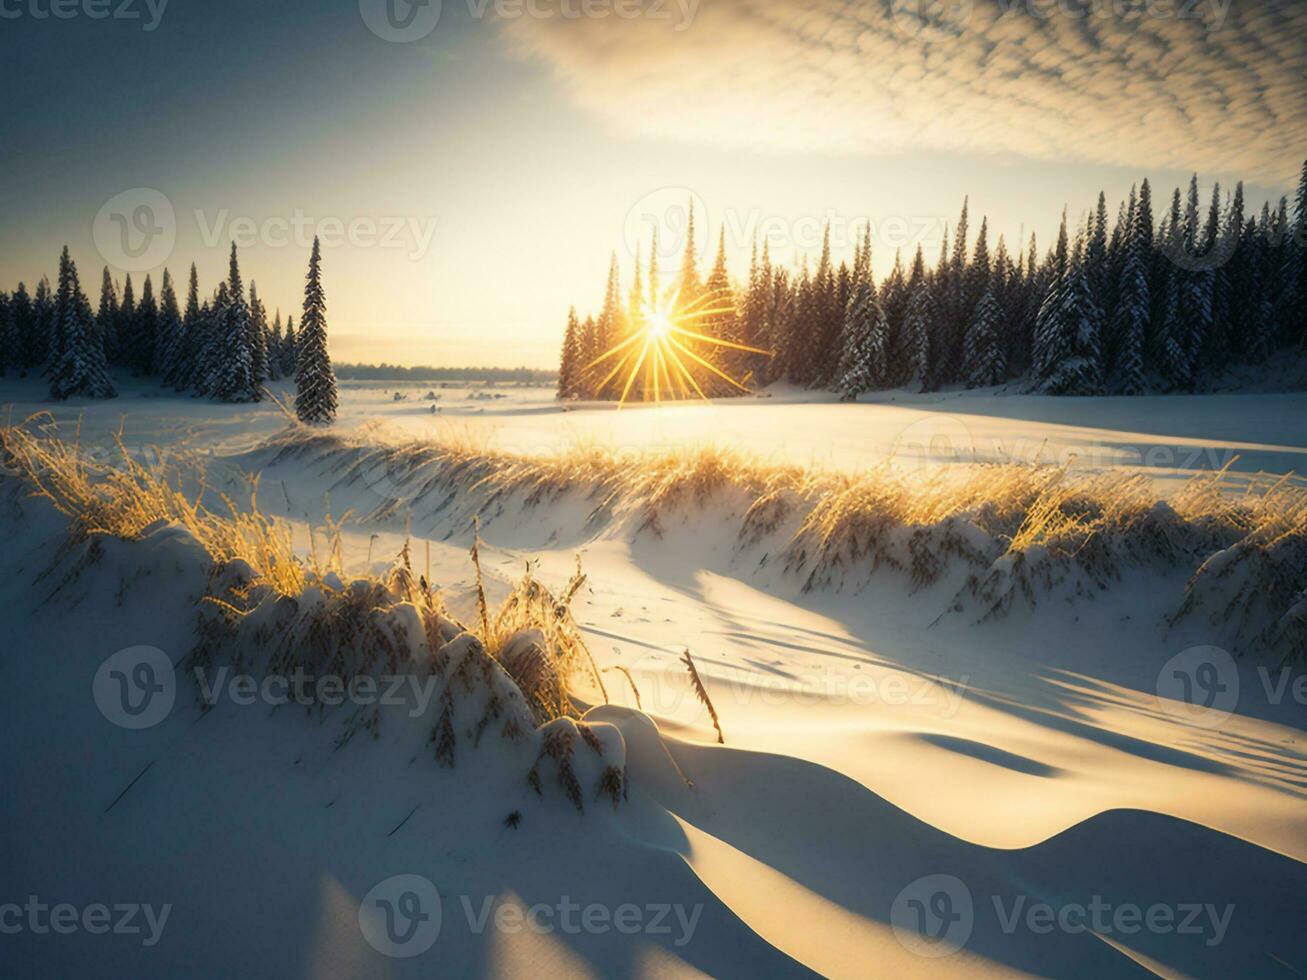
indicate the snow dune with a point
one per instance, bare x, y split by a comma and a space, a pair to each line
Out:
901, 793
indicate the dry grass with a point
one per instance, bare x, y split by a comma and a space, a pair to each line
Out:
297, 613
1021, 529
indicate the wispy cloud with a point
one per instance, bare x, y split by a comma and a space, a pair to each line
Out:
1217, 85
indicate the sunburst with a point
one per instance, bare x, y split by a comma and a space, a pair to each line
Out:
660, 347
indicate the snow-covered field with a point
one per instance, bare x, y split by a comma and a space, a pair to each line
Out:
1075, 789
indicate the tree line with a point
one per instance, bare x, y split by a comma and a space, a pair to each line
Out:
1128, 307
221, 347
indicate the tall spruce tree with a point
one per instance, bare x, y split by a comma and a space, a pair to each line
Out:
107, 319
986, 364
289, 349
172, 334
232, 371
1134, 301
257, 341
275, 342
315, 382
80, 369
569, 368
864, 361
145, 335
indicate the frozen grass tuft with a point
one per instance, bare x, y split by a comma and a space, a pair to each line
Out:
1020, 530
267, 611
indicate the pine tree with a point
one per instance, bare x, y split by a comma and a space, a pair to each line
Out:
8, 334
44, 319
688, 284
570, 367
275, 343
125, 334
81, 368
1130, 322
1078, 322
20, 310
863, 363
257, 342
194, 322
107, 319
986, 363
172, 336
232, 371
917, 322
315, 382
1295, 267
289, 349
145, 334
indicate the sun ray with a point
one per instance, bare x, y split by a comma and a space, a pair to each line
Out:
657, 360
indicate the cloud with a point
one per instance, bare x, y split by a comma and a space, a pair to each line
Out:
1214, 85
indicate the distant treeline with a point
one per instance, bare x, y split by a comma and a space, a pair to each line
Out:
393, 372
1126, 307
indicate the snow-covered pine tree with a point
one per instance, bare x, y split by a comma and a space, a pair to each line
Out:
1132, 310
213, 320
779, 321
1173, 353
81, 368
232, 372
289, 349
570, 366
8, 334
171, 337
187, 366
589, 375
257, 342
20, 309
106, 320
275, 342
863, 364
315, 382
125, 332
986, 364
688, 283
918, 320
43, 315
146, 333
1078, 321
1295, 268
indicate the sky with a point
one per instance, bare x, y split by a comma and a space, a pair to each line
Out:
471, 165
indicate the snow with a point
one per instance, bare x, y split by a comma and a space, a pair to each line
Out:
880, 751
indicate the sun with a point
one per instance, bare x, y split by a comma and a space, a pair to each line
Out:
662, 350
